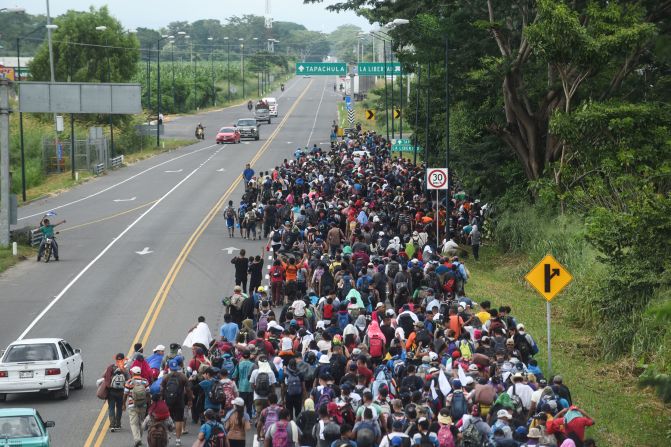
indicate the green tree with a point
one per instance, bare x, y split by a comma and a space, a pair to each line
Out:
84, 54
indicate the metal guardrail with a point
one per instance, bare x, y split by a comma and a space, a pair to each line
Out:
99, 169
116, 162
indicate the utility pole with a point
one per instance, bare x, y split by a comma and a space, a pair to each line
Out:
4, 163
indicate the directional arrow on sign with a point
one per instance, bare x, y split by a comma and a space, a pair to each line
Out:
145, 251
221, 170
178, 170
125, 200
397, 113
370, 114
230, 250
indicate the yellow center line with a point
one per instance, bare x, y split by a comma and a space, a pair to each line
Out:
101, 425
102, 219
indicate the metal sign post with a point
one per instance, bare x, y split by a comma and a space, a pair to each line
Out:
436, 178
549, 277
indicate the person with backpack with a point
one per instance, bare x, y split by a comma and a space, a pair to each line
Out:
457, 401
230, 389
263, 383
177, 395
282, 433
293, 389
230, 215
237, 423
213, 391
136, 400
158, 424
115, 378
268, 416
445, 435
424, 437
326, 430
212, 432
473, 430
277, 276
367, 432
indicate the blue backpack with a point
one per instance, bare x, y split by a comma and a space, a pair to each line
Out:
343, 320
228, 365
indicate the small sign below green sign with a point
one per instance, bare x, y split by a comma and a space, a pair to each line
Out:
321, 68
377, 68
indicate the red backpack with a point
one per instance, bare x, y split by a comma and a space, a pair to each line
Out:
328, 311
376, 346
445, 437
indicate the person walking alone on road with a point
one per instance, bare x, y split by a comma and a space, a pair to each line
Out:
136, 393
248, 173
230, 215
241, 264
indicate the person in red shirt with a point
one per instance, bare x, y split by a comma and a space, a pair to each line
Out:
277, 276
576, 420
363, 371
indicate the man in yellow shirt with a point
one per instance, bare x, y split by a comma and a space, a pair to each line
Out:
484, 315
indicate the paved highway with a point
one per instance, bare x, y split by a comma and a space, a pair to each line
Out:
103, 296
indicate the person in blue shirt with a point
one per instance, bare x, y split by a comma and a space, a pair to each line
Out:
211, 375
229, 329
206, 430
156, 358
248, 173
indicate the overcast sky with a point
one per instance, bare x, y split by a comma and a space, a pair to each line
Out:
155, 13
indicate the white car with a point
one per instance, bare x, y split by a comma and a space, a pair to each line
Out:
40, 365
272, 105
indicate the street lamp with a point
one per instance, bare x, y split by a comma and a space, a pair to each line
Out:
242, 63
159, 118
214, 89
228, 67
102, 29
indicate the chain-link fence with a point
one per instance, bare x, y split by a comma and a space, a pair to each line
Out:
57, 154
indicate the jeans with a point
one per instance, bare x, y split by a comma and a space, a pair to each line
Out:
334, 249
115, 405
293, 404
242, 282
476, 251
54, 248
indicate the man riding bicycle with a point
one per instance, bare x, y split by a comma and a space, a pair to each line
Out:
47, 230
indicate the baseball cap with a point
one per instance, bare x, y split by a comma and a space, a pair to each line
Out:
136, 370
159, 348
173, 365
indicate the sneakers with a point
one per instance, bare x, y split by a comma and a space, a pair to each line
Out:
178, 442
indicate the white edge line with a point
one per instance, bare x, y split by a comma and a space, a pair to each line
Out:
58, 297
316, 115
117, 184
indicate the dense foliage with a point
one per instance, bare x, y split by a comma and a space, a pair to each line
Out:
564, 107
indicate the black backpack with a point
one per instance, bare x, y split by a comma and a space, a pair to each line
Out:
217, 394
172, 391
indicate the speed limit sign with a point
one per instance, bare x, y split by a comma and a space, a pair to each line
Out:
436, 178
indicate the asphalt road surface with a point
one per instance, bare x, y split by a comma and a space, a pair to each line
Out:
103, 296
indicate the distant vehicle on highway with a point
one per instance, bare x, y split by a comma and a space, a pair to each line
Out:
24, 427
228, 135
40, 365
262, 111
248, 128
272, 105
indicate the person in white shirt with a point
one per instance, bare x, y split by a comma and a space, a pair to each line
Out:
521, 389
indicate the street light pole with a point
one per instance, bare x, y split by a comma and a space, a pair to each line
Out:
447, 137
103, 28
242, 63
228, 67
386, 95
419, 81
159, 121
393, 111
214, 89
172, 69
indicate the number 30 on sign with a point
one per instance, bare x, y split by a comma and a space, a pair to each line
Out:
436, 178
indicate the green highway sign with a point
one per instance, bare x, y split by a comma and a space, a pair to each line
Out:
401, 141
406, 148
321, 68
377, 68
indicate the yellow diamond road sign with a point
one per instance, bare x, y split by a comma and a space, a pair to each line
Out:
549, 277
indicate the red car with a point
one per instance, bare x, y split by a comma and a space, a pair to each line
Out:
228, 135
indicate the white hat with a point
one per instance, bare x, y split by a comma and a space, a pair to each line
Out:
520, 328
433, 356
136, 370
390, 312
503, 414
324, 359
159, 348
380, 304
239, 402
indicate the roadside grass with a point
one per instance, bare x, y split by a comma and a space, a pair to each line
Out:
149, 151
8, 260
625, 415
55, 183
